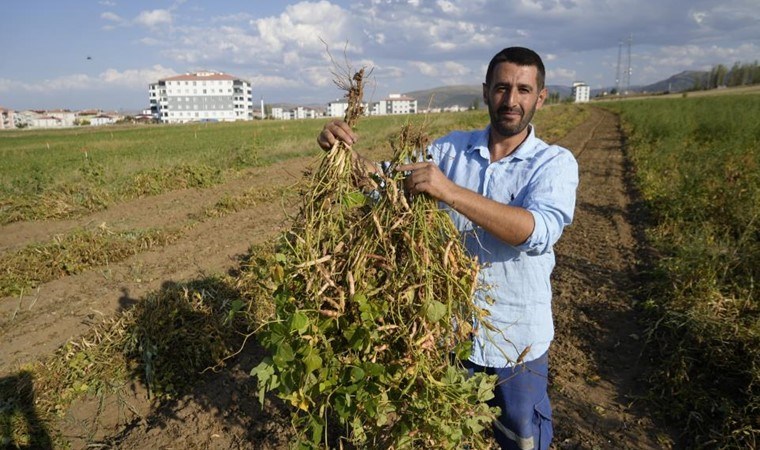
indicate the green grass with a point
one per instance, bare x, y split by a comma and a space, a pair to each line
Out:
697, 164
54, 174
67, 173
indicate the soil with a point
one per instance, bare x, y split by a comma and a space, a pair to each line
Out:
596, 363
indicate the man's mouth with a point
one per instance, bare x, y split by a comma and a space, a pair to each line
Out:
510, 113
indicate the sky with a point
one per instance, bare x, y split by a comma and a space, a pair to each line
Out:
78, 54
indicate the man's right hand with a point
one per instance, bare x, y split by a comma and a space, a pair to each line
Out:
337, 130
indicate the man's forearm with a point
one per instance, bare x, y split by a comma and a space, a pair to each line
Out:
511, 224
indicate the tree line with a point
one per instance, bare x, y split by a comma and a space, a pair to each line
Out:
740, 74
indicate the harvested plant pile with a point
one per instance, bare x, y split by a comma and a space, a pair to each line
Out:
373, 303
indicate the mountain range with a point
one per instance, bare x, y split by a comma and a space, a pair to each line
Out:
467, 95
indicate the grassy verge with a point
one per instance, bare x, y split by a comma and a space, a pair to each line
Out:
698, 168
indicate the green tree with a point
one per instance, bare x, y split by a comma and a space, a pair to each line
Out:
717, 76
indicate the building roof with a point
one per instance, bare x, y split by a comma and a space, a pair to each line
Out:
198, 76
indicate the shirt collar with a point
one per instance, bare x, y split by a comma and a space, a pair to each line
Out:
526, 150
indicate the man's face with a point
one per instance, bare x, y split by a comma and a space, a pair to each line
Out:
512, 98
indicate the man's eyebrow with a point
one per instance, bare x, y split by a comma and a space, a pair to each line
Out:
519, 85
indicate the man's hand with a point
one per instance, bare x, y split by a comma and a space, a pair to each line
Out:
427, 177
334, 131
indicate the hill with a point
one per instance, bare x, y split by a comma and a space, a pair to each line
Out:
679, 82
468, 95
447, 96
463, 95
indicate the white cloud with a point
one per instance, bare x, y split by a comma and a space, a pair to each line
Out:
135, 78
154, 18
149, 41
561, 76
7, 85
303, 26
448, 68
112, 17
698, 16
110, 78
269, 81
448, 7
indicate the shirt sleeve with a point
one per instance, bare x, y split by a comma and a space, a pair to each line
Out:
551, 201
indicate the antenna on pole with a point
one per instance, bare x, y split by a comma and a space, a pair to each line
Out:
617, 74
628, 71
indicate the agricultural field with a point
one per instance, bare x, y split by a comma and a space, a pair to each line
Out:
697, 162
131, 261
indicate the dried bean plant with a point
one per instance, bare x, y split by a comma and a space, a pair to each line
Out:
373, 297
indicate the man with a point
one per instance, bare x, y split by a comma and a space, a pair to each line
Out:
510, 195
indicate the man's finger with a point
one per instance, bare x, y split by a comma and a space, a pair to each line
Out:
411, 166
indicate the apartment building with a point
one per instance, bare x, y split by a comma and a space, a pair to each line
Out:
201, 96
394, 104
581, 92
7, 119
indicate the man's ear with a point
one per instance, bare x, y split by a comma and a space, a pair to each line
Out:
485, 94
542, 97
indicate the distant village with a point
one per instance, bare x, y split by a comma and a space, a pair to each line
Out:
214, 97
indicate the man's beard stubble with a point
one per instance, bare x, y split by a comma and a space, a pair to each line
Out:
510, 130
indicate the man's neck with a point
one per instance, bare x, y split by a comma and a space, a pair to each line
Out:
502, 146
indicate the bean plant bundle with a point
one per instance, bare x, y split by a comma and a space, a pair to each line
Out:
373, 312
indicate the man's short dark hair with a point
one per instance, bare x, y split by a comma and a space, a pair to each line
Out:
522, 57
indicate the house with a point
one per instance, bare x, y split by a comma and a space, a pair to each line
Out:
201, 96
65, 116
102, 119
45, 121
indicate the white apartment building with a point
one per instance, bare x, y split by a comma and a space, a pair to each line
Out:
581, 92
394, 104
279, 113
337, 108
7, 118
201, 96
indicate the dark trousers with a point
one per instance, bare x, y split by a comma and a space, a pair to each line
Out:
525, 422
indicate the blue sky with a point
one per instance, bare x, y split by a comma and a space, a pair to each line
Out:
281, 46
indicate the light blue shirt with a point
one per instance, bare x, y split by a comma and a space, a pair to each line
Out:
514, 280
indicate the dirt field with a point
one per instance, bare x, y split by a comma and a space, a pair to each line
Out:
596, 364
